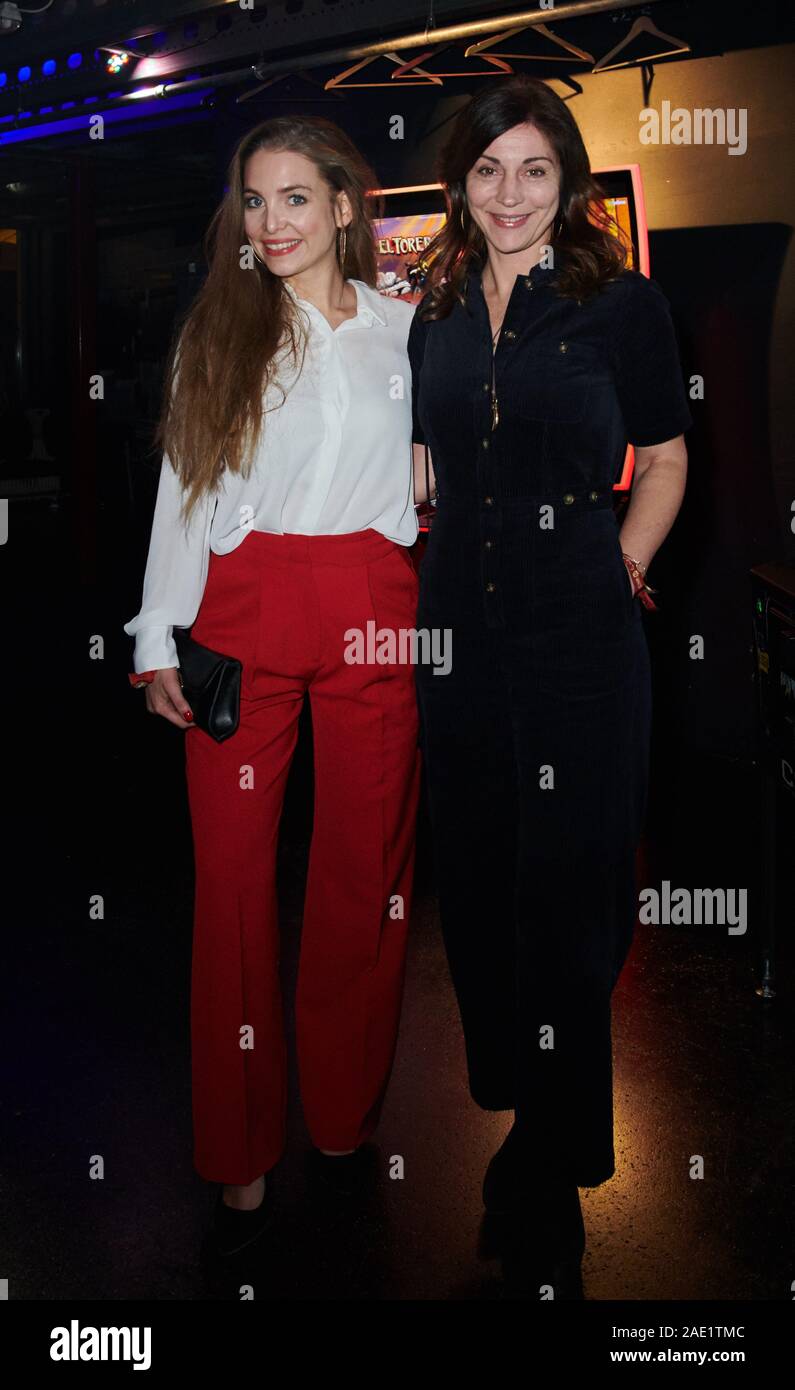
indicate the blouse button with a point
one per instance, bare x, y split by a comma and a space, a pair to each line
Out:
509, 333
528, 284
490, 587
487, 386
594, 496
563, 347
487, 545
568, 498
489, 501
485, 443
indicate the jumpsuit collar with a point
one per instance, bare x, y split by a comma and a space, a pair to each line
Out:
539, 275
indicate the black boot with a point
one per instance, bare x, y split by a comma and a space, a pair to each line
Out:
512, 1186
546, 1239
537, 1267
506, 1180
545, 1244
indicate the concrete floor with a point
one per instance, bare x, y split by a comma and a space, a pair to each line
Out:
98, 1027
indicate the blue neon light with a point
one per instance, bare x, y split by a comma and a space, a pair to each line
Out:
125, 111
24, 74
74, 60
48, 68
3, 78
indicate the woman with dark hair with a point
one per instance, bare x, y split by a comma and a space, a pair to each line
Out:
535, 356
287, 455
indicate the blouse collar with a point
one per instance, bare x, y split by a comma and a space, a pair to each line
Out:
368, 303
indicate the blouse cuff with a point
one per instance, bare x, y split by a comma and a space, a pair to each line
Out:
155, 648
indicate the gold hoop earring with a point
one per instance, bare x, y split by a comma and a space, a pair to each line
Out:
343, 246
461, 220
256, 253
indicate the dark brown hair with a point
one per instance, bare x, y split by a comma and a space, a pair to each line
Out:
219, 365
587, 249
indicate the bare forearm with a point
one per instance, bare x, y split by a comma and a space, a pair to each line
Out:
657, 492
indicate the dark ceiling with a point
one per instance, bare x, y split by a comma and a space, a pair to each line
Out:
217, 47
191, 36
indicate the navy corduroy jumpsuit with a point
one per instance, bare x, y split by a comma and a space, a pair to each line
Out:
536, 741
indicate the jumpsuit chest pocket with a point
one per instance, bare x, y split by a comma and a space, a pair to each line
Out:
552, 381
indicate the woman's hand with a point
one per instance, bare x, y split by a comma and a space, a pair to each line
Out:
164, 696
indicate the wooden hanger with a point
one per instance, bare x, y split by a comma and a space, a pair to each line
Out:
643, 25
570, 49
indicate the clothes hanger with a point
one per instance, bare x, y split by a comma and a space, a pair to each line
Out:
417, 78
643, 25
492, 67
508, 34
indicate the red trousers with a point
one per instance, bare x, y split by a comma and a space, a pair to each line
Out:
283, 605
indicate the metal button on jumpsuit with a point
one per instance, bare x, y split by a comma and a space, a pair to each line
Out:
536, 741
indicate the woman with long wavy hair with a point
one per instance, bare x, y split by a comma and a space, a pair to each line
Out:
536, 354
281, 530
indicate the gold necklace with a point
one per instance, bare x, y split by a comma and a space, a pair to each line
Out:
495, 407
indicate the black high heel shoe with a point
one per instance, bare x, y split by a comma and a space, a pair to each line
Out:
346, 1174
232, 1230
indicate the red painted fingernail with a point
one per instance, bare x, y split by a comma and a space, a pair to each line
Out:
188, 714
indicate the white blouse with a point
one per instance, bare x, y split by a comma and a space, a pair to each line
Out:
333, 458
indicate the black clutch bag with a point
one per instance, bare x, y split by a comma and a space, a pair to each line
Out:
210, 684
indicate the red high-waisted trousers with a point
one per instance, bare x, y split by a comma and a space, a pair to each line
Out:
283, 605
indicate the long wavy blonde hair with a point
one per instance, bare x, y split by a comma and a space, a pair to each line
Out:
222, 358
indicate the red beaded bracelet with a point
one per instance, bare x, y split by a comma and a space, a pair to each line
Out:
643, 591
139, 678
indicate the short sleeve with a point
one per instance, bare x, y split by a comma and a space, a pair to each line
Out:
416, 351
649, 380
